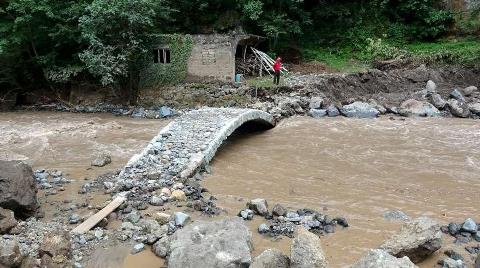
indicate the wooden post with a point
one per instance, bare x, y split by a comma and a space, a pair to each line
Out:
95, 219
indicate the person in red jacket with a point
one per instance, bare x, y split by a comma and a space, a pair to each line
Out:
277, 66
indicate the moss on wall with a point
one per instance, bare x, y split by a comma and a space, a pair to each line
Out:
154, 75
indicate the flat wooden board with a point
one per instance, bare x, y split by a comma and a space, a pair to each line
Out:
95, 219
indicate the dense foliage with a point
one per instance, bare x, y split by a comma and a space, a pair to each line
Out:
55, 44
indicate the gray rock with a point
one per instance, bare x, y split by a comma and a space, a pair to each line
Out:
263, 228
56, 244
10, 255
246, 214
417, 239
332, 111
469, 226
469, 90
224, 243
7, 220
377, 106
306, 250
454, 228
377, 258
476, 236
101, 160
259, 206
456, 94
477, 262
396, 215
458, 108
453, 254
271, 258
413, 107
431, 86
156, 201
18, 189
138, 248
161, 247
451, 263
74, 219
133, 217
181, 218
437, 101
359, 110
166, 112
317, 113
474, 108
315, 103
279, 210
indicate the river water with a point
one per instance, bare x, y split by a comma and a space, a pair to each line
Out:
354, 168
357, 168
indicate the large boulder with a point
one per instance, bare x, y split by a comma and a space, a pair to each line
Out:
10, 255
7, 220
413, 107
306, 250
359, 110
18, 189
271, 258
456, 94
417, 239
224, 243
458, 108
377, 258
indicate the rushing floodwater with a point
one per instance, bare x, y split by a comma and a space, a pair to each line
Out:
344, 167
358, 169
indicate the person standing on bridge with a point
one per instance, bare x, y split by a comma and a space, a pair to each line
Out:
277, 66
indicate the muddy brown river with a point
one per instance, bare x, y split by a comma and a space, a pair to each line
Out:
354, 168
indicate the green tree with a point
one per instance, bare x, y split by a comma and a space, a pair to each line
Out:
118, 33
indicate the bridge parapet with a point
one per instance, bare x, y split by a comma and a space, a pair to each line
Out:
187, 144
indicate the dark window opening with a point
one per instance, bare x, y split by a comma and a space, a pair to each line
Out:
161, 55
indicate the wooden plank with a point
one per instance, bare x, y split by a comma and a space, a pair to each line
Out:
95, 219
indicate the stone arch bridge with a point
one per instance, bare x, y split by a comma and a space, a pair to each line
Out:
189, 143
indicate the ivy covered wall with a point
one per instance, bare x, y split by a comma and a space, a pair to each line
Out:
159, 74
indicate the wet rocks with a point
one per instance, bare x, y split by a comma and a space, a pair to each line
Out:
417, 239
377, 258
246, 214
224, 243
317, 113
315, 103
332, 111
271, 258
279, 210
10, 255
7, 221
413, 107
101, 159
458, 108
359, 110
469, 226
451, 263
18, 189
456, 94
437, 101
306, 250
74, 219
138, 248
259, 206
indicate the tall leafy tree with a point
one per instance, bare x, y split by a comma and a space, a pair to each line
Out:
118, 33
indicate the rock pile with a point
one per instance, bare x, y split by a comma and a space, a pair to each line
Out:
464, 232
281, 221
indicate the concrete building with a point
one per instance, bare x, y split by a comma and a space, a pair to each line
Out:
213, 55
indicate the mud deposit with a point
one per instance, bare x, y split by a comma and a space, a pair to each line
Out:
354, 168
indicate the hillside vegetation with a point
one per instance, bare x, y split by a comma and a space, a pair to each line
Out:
60, 44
